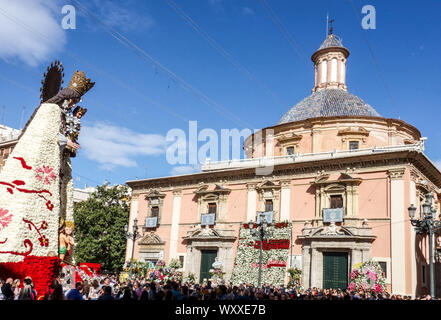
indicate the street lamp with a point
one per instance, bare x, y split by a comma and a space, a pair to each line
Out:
427, 225
134, 235
260, 234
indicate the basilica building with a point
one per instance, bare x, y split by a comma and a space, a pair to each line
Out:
341, 175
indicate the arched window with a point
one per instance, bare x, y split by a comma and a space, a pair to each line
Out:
324, 71
342, 71
334, 70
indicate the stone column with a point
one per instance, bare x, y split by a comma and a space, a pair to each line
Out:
413, 266
349, 204
251, 203
314, 268
398, 263
174, 230
285, 201
306, 266
133, 214
356, 257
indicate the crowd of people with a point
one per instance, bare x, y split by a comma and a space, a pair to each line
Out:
141, 289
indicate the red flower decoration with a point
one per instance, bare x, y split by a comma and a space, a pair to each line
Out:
4, 219
44, 225
49, 205
44, 242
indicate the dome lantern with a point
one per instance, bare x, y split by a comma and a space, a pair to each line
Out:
330, 64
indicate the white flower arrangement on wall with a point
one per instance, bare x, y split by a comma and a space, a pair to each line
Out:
275, 256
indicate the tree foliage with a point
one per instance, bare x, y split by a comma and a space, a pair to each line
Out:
99, 227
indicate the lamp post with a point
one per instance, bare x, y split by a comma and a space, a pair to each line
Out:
134, 235
427, 225
260, 234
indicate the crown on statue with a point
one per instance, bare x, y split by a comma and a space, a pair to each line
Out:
69, 224
80, 83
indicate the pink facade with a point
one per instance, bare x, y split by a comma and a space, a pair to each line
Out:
343, 157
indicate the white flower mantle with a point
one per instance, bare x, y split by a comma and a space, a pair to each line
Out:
32, 202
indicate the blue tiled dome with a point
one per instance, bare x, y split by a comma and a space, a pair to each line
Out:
328, 103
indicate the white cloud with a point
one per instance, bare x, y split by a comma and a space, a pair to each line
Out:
179, 170
30, 30
120, 14
248, 11
114, 146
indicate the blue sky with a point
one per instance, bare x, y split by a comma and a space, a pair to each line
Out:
260, 67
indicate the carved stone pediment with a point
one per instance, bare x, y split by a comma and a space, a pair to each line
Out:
151, 239
344, 178
267, 184
215, 189
322, 178
289, 138
154, 194
354, 132
204, 233
342, 232
208, 234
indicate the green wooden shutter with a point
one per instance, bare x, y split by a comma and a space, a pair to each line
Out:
207, 259
335, 270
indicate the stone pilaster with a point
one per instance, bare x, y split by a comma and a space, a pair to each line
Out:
285, 201
252, 201
397, 210
413, 200
174, 230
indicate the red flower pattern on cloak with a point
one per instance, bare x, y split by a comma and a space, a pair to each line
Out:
4, 218
45, 174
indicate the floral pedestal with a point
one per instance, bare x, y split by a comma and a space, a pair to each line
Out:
42, 270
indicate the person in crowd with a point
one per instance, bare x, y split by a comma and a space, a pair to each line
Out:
2, 282
75, 293
27, 292
57, 293
7, 291
50, 289
94, 290
85, 289
107, 294
16, 288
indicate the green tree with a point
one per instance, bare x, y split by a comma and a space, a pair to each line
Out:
99, 227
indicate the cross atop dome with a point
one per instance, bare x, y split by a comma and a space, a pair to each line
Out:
330, 28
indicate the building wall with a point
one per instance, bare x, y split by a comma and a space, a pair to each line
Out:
383, 196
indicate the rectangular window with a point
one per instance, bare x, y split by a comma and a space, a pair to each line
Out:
336, 201
268, 205
383, 265
212, 208
181, 260
290, 151
353, 145
155, 212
